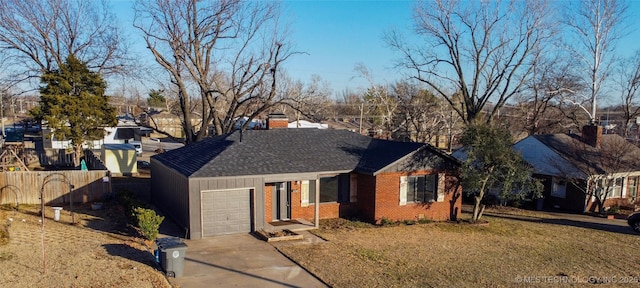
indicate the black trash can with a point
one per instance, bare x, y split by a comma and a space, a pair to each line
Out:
171, 251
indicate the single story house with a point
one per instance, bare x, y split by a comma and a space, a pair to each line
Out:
574, 168
255, 179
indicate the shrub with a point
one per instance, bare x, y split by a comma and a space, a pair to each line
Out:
614, 209
409, 222
424, 221
148, 222
387, 222
129, 202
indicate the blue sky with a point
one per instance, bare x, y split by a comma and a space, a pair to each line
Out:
339, 34
336, 35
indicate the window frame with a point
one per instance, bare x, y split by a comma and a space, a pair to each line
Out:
416, 183
556, 183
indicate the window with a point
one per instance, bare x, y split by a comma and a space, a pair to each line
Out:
312, 191
559, 188
612, 187
633, 188
329, 189
616, 188
421, 188
332, 189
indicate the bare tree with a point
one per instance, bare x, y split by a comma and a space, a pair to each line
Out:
310, 101
484, 50
37, 36
381, 104
540, 103
418, 118
630, 83
226, 52
594, 28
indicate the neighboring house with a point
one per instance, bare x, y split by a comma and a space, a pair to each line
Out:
166, 122
251, 180
120, 134
570, 164
307, 124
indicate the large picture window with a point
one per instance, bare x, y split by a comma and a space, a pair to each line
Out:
329, 189
333, 189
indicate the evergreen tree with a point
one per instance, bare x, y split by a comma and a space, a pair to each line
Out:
492, 164
156, 99
74, 106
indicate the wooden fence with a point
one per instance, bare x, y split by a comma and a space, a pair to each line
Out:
57, 187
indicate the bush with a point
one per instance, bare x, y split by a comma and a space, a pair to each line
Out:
148, 222
409, 222
129, 202
424, 221
614, 209
387, 222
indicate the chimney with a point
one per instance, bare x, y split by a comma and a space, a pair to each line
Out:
277, 121
592, 135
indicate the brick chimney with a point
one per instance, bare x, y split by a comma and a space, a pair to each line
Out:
277, 121
592, 135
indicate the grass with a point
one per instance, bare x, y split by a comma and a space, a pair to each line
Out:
503, 253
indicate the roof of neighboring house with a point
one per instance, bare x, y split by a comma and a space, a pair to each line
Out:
281, 151
119, 147
614, 153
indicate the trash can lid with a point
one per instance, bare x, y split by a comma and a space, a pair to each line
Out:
170, 242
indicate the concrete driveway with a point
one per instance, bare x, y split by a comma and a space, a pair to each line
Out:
240, 261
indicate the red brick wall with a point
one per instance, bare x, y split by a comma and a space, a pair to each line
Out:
387, 202
327, 210
366, 205
621, 202
378, 196
268, 202
277, 123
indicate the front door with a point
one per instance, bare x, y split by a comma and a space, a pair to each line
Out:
281, 201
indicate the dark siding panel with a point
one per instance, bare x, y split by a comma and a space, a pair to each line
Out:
169, 192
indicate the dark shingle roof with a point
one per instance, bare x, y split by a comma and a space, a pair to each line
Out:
615, 154
279, 151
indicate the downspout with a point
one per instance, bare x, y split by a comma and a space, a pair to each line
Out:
316, 223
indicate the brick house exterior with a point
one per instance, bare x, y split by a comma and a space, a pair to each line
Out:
572, 167
251, 180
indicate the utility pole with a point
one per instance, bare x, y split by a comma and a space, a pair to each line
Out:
361, 115
2, 113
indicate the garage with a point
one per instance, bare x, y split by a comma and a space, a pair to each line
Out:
226, 212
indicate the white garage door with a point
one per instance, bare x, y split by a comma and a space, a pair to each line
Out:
226, 212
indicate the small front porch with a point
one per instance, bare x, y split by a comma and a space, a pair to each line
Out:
291, 225
285, 208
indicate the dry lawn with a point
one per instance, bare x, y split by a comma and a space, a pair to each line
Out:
515, 248
97, 251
